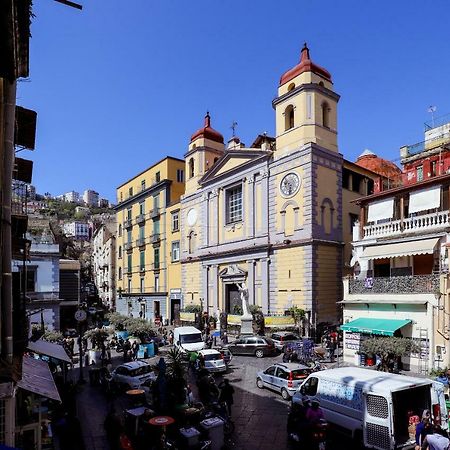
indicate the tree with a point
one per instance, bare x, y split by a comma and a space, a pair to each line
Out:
299, 316
388, 347
117, 320
97, 336
176, 376
258, 319
139, 328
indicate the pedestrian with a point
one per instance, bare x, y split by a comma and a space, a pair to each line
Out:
171, 337
438, 440
421, 428
330, 345
224, 338
226, 394
141, 313
192, 361
126, 350
135, 350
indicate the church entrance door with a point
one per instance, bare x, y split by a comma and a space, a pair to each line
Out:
233, 298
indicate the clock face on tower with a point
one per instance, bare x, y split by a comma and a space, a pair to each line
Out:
290, 184
192, 217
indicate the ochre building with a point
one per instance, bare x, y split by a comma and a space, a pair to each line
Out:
269, 215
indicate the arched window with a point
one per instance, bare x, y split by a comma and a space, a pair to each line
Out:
289, 118
291, 87
325, 115
120, 229
120, 273
120, 251
321, 83
191, 167
191, 238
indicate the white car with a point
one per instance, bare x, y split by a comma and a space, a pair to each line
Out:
133, 374
214, 361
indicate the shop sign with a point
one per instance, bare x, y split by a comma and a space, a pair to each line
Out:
352, 341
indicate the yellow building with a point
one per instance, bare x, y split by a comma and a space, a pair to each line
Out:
269, 215
148, 241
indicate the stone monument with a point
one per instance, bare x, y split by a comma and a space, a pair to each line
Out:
246, 318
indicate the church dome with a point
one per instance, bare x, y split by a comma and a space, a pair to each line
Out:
370, 161
305, 65
207, 132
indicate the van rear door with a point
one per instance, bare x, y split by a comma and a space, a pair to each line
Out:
377, 422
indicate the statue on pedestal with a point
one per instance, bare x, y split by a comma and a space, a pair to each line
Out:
246, 318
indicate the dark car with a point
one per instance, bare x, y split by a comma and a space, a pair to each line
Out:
252, 345
281, 338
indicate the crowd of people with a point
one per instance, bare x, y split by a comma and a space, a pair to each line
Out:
430, 436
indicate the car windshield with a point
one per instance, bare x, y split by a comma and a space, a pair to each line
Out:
212, 357
190, 338
140, 371
299, 374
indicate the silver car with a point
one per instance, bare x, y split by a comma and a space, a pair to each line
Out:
284, 378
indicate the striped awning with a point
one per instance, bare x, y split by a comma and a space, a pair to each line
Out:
408, 248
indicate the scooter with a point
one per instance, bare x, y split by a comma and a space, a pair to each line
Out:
315, 439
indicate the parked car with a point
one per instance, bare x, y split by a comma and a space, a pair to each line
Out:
252, 345
281, 338
214, 361
284, 378
133, 374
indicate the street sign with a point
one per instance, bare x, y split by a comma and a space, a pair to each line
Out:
80, 315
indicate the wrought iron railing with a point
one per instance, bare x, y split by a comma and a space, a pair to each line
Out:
411, 284
437, 122
429, 144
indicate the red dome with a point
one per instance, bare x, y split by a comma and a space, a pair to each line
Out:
207, 132
305, 65
381, 166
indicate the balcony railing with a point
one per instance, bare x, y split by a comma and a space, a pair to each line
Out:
155, 237
127, 223
154, 213
140, 218
417, 224
140, 242
411, 284
128, 246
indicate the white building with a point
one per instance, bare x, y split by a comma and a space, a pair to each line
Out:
71, 196
80, 231
41, 272
103, 258
103, 203
90, 197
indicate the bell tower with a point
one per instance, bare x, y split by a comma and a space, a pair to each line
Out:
205, 148
305, 108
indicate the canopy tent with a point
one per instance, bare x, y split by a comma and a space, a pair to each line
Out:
408, 248
424, 199
55, 351
37, 378
384, 327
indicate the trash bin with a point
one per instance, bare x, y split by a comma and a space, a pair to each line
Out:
214, 427
190, 437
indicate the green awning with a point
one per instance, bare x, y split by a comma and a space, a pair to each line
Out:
385, 327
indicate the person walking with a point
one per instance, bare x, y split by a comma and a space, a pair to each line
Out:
135, 350
226, 394
192, 361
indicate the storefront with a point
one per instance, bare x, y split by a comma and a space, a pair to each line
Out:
36, 398
356, 331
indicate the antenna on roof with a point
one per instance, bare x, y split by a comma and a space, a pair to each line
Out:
432, 110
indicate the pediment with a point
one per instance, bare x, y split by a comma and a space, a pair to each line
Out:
233, 160
232, 271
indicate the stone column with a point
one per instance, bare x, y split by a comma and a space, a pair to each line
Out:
265, 285
205, 290
214, 274
250, 213
214, 223
265, 201
251, 282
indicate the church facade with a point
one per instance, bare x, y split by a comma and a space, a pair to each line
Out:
269, 215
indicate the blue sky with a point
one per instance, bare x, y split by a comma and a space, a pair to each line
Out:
122, 84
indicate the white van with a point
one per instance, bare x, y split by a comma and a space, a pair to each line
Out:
372, 406
188, 339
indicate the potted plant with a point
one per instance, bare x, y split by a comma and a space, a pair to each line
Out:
118, 321
98, 337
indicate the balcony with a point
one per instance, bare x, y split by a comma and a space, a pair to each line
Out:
155, 237
155, 212
140, 242
128, 246
142, 269
127, 223
418, 224
140, 218
417, 284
